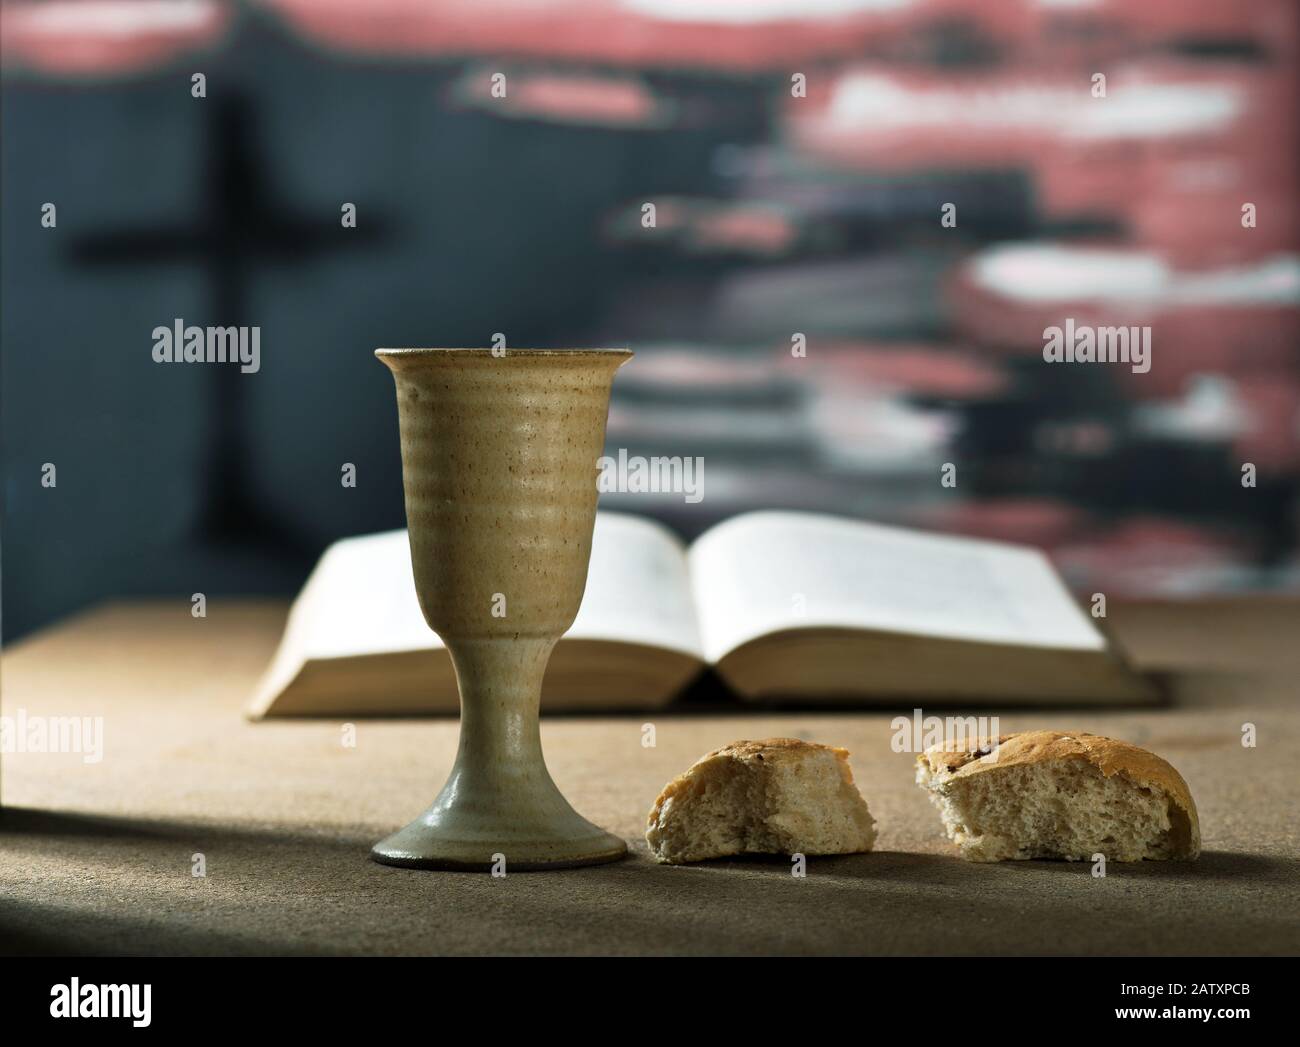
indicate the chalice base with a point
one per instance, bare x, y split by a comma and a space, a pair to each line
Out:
469, 832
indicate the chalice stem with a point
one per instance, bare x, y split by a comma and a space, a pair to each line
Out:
501, 689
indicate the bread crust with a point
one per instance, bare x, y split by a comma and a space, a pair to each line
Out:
785, 750
768, 752
1109, 755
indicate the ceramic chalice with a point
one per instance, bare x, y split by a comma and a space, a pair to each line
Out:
499, 464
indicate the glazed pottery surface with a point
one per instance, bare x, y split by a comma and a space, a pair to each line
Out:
499, 465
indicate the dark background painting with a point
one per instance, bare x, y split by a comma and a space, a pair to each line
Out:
799, 157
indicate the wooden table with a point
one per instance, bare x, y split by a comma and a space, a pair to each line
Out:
98, 857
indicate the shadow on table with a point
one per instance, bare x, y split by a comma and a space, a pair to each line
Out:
896, 903
122, 886
70, 918
30, 822
1234, 867
35, 930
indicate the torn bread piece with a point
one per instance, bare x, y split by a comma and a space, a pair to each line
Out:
1044, 794
775, 796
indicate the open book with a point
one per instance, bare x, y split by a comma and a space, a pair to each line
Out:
782, 605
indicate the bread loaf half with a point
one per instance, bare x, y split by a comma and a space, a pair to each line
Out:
1044, 794
776, 796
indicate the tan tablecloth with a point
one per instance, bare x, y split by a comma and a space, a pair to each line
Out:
98, 857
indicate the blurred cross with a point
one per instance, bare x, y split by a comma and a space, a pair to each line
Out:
242, 224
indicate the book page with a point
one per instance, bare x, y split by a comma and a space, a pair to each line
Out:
361, 598
638, 587
764, 572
